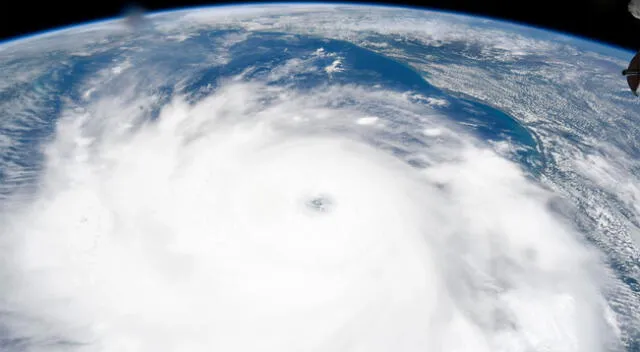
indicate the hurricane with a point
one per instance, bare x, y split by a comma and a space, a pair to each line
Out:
266, 188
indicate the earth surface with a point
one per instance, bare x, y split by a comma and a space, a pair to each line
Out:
317, 178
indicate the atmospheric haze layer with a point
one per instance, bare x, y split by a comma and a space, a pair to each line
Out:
258, 214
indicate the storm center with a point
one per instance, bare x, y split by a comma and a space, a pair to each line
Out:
320, 203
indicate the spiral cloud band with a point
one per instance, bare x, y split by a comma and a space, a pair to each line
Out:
260, 218
219, 195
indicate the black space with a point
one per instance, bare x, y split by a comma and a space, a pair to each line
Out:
603, 20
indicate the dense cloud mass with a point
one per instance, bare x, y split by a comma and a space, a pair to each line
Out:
237, 225
257, 214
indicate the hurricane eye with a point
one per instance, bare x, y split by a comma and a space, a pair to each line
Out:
320, 204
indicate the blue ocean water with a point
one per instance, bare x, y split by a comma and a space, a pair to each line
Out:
189, 62
258, 55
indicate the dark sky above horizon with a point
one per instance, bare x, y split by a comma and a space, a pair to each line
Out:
603, 20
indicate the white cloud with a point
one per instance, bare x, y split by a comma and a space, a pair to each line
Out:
264, 219
201, 232
336, 66
368, 120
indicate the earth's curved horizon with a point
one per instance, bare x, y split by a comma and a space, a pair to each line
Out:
310, 176
148, 14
